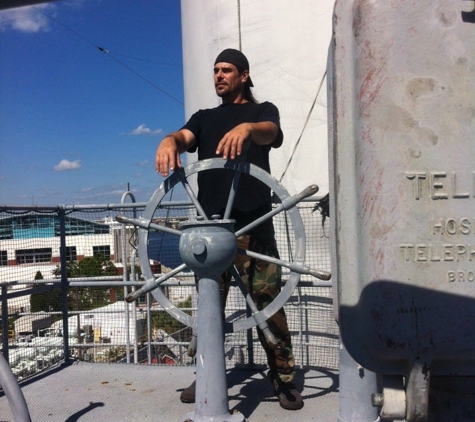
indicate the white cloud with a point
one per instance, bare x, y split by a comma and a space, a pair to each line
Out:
144, 130
68, 165
26, 19
99, 194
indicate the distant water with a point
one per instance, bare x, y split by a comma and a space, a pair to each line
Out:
163, 247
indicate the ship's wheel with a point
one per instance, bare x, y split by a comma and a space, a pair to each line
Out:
287, 204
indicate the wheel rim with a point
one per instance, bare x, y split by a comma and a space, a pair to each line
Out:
282, 194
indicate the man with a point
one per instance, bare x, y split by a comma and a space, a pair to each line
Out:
240, 127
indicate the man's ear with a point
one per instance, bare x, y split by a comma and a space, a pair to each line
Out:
245, 75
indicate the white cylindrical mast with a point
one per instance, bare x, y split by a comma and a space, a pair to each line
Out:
286, 44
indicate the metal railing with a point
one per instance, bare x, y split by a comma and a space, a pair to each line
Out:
63, 316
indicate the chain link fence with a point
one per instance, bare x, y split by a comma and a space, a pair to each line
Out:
64, 274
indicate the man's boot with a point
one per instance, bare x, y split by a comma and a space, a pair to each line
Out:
189, 393
289, 397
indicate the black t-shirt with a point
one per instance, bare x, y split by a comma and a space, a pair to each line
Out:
209, 126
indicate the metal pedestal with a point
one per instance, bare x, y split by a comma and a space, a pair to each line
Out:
208, 248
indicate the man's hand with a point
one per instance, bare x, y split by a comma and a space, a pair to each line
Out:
232, 144
237, 140
167, 156
168, 152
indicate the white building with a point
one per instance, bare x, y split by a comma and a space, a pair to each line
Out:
31, 243
35, 239
108, 322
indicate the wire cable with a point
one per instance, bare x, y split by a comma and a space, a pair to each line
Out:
105, 51
139, 75
304, 127
145, 60
239, 24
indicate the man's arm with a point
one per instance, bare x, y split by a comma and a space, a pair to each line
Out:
168, 152
232, 144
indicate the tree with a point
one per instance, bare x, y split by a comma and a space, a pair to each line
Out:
45, 301
163, 320
85, 298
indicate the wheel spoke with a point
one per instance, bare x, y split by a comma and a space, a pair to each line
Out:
232, 195
153, 284
146, 225
238, 166
257, 222
261, 322
293, 266
135, 221
287, 203
184, 181
165, 229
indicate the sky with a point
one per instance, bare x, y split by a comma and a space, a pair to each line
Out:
88, 88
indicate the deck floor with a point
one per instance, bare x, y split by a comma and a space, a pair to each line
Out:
111, 392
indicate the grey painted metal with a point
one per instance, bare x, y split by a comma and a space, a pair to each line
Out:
153, 283
288, 204
131, 283
125, 195
298, 268
205, 246
253, 307
146, 224
149, 328
237, 176
13, 392
355, 390
403, 155
357, 385
209, 248
4, 297
64, 285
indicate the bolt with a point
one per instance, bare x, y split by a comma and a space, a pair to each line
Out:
198, 247
377, 399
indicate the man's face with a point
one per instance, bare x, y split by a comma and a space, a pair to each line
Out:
228, 81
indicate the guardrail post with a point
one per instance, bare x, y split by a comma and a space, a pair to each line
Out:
126, 194
12, 390
149, 329
5, 321
64, 283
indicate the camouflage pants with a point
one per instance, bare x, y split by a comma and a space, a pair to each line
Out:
263, 282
